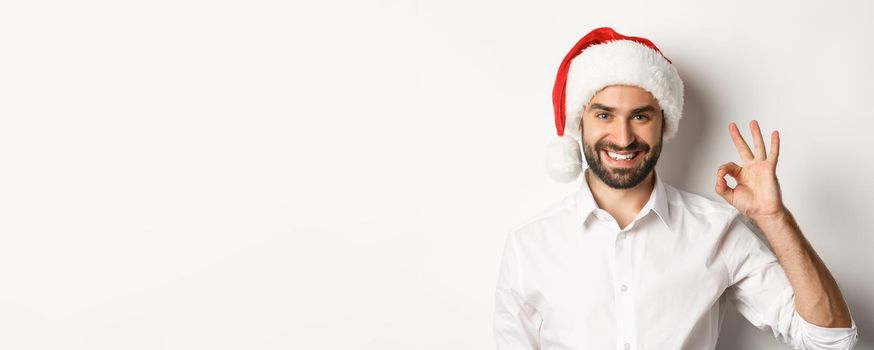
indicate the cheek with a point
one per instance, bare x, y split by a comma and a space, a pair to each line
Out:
592, 134
650, 135
592, 139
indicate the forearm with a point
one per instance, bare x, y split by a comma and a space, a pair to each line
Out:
817, 297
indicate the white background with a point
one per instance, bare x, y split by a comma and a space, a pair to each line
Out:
341, 175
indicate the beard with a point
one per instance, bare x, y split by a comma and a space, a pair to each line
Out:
622, 178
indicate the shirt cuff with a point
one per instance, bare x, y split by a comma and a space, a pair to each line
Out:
836, 338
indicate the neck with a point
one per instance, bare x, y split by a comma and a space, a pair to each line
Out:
622, 204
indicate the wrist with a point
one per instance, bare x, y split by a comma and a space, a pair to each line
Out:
776, 217
779, 212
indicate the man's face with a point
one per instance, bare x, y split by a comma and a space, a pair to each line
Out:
619, 122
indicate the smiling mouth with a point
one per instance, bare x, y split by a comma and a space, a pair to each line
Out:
621, 158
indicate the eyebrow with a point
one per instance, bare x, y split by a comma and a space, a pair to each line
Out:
647, 108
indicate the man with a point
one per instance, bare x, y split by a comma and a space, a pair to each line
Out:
629, 262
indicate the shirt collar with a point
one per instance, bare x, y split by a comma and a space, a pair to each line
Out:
658, 201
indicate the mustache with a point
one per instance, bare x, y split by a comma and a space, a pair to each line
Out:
632, 147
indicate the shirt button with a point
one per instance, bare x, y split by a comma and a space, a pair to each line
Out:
624, 288
627, 346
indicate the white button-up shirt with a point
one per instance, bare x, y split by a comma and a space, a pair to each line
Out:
571, 278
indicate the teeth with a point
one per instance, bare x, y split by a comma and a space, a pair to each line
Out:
618, 156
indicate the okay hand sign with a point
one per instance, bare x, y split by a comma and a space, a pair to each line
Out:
757, 194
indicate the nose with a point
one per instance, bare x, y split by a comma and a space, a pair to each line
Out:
623, 135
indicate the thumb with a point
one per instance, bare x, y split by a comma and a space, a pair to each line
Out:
722, 188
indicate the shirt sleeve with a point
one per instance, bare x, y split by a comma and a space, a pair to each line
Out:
516, 323
761, 292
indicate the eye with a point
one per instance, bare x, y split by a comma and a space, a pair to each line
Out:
642, 117
599, 115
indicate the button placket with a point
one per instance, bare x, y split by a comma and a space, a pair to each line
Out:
624, 303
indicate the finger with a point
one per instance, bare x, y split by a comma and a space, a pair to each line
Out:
731, 169
758, 141
721, 184
722, 187
742, 148
775, 146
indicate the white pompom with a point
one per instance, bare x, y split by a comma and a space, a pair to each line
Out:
564, 160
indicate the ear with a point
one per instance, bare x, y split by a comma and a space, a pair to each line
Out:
663, 122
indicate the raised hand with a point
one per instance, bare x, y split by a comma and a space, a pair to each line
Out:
757, 194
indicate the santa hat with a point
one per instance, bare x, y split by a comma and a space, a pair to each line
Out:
602, 58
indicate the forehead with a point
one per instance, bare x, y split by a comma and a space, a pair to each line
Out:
620, 96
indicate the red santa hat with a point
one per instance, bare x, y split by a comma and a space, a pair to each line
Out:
602, 58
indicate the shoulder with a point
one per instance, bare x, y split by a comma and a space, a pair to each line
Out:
696, 204
692, 208
716, 221
550, 219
